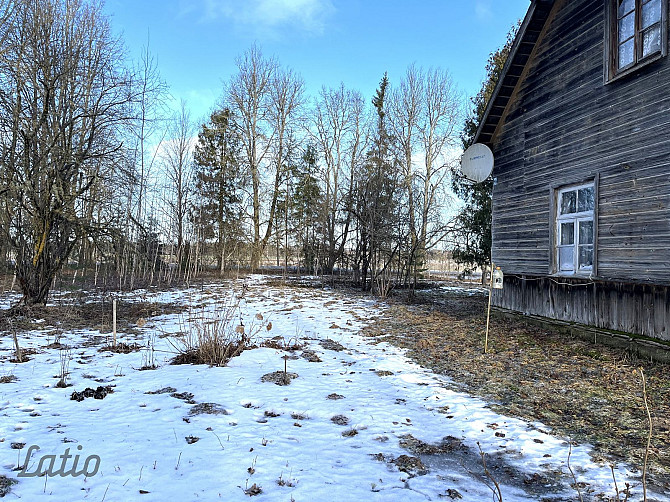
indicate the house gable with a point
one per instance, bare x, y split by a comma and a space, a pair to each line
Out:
565, 125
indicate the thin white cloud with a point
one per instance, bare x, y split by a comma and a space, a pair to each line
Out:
483, 10
307, 15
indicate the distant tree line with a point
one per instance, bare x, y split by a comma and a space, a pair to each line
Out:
97, 174
342, 183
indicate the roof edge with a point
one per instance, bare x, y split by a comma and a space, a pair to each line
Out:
521, 35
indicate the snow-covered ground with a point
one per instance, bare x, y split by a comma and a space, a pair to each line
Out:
221, 433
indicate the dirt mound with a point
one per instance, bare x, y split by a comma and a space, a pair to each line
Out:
121, 348
207, 409
329, 344
279, 377
311, 356
340, 420
411, 465
418, 447
99, 393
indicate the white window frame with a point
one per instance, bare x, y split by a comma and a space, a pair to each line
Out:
576, 218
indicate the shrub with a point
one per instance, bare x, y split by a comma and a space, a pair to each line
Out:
216, 339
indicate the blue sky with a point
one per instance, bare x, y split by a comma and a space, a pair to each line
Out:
195, 42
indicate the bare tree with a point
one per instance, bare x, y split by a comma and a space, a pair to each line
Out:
406, 107
146, 132
152, 93
178, 172
285, 104
424, 112
338, 131
64, 98
248, 95
266, 100
7, 11
443, 107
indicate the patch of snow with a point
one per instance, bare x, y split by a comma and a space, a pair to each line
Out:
279, 438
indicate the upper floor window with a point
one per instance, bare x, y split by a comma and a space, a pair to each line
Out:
638, 33
575, 230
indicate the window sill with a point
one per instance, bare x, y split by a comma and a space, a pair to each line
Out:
632, 69
569, 275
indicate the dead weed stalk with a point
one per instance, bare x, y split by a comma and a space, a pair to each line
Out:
651, 427
497, 493
616, 488
574, 478
214, 339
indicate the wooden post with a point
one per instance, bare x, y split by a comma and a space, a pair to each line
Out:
488, 313
19, 356
114, 321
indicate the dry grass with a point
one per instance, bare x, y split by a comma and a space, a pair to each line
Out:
210, 342
589, 392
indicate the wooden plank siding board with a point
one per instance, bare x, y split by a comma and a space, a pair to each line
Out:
605, 304
646, 109
563, 125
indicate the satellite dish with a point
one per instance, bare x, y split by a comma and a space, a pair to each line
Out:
477, 162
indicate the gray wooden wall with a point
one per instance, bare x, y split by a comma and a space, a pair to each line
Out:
642, 309
564, 125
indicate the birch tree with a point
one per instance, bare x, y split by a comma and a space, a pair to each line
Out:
266, 100
425, 111
284, 109
177, 161
248, 97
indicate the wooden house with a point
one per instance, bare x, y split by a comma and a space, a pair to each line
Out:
579, 125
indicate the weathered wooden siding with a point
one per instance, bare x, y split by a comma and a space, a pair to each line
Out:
633, 308
565, 126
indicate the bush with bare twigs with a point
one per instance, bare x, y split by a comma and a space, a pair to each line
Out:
215, 339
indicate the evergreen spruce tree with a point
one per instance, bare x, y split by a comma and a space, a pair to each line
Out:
377, 206
219, 184
306, 206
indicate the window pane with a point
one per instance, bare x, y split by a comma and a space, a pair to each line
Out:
566, 258
627, 27
585, 257
568, 202
586, 199
586, 232
651, 41
651, 13
626, 53
567, 233
625, 6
